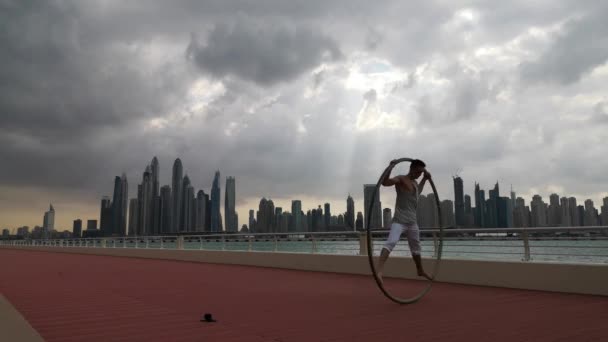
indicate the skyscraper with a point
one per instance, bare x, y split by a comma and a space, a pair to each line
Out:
251, 220
265, 218
176, 195
327, 215
447, 213
359, 221
165, 199
459, 201
133, 216
479, 212
215, 203
376, 214
230, 205
350, 213
119, 206
154, 170
554, 213
105, 217
387, 217
565, 218
604, 212
538, 212
296, 211
77, 229
590, 214
146, 204
574, 218
201, 209
185, 220
48, 222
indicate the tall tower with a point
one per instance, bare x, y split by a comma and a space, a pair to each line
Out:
48, 223
459, 201
376, 214
201, 206
296, 212
165, 199
229, 205
185, 213
350, 212
154, 170
215, 203
176, 195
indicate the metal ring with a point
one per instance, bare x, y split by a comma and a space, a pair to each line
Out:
370, 252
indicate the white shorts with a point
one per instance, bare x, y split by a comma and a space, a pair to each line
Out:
413, 237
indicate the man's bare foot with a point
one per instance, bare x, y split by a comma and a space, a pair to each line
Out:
421, 273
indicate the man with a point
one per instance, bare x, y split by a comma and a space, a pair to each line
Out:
404, 219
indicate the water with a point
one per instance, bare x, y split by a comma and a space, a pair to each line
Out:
512, 249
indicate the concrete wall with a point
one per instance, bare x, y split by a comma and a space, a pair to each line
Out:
571, 278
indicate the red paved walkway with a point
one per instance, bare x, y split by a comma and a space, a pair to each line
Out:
68, 297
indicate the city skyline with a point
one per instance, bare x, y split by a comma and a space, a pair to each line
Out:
305, 101
151, 176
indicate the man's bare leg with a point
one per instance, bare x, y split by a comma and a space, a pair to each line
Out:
383, 256
419, 268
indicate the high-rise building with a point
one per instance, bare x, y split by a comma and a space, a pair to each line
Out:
133, 216
480, 212
590, 214
426, 213
215, 203
166, 205
155, 183
48, 222
105, 217
459, 201
157, 216
554, 213
539, 212
376, 213
296, 212
521, 214
387, 217
177, 195
117, 209
350, 213
604, 212
146, 204
77, 228
574, 217
504, 212
359, 221
230, 205
91, 224
447, 213
187, 196
265, 220
491, 207
201, 206
252, 220
565, 218
469, 219
327, 215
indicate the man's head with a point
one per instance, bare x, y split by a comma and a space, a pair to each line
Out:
417, 167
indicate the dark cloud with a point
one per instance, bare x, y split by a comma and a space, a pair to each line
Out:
262, 54
577, 50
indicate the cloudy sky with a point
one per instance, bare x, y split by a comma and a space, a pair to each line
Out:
298, 99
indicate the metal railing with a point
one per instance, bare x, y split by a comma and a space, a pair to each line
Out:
559, 244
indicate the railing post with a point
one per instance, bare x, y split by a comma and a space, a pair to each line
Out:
526, 246
223, 243
125, 240
200, 240
104, 243
162, 242
147, 242
362, 244
435, 245
250, 244
314, 245
276, 242
180, 242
